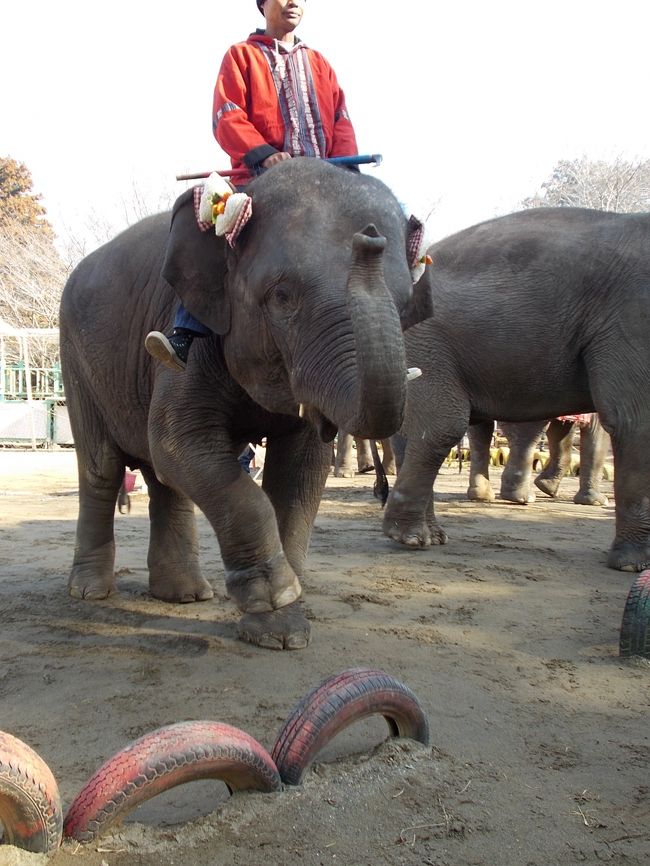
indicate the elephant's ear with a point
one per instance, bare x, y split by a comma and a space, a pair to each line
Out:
195, 267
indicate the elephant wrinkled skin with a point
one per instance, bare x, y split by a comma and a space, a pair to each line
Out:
305, 311
541, 313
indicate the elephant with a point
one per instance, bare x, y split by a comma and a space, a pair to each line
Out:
306, 307
523, 439
346, 456
553, 305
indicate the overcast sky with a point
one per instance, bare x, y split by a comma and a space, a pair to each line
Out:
471, 104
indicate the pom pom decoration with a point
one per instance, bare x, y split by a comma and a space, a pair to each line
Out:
228, 211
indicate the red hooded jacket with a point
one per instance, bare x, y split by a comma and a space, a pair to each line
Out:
270, 98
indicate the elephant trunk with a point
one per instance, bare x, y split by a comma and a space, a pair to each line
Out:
365, 390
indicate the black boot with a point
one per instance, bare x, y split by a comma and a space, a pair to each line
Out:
171, 351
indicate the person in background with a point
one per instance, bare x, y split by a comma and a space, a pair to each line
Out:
275, 98
246, 457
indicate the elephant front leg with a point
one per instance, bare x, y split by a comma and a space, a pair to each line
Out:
409, 517
560, 443
295, 473
344, 461
259, 577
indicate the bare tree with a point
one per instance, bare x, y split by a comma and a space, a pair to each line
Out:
32, 273
621, 186
98, 228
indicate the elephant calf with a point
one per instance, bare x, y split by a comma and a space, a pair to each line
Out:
305, 307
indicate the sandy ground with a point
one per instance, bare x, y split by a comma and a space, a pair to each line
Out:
509, 636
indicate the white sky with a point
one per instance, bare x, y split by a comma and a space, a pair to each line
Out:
471, 103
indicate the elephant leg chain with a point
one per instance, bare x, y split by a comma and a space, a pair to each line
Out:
264, 587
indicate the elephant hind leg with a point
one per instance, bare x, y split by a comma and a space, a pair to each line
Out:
630, 550
594, 444
515, 481
173, 559
480, 439
100, 477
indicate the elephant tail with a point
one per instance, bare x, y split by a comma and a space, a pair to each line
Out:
381, 487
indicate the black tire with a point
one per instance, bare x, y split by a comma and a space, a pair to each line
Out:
159, 761
30, 805
338, 702
635, 633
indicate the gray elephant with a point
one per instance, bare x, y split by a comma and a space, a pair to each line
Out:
305, 309
553, 304
523, 440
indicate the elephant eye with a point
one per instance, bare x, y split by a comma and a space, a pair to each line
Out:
279, 295
281, 303
279, 300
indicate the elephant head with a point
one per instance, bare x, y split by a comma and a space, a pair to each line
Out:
309, 299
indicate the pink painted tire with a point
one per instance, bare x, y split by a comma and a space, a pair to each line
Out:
161, 760
30, 805
335, 704
635, 627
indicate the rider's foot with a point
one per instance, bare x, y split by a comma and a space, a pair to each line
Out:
171, 351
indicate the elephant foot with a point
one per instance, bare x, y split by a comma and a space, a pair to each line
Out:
265, 587
590, 497
179, 588
518, 497
421, 535
81, 584
391, 468
626, 556
480, 491
286, 628
547, 485
344, 473
367, 467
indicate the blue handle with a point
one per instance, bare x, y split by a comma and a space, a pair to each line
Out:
357, 159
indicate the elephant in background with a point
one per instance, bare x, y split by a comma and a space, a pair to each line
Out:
517, 474
305, 310
566, 293
346, 456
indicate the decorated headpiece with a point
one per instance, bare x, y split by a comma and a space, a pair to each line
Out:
417, 244
220, 206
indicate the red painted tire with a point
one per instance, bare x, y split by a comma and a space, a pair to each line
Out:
30, 805
635, 632
338, 702
161, 760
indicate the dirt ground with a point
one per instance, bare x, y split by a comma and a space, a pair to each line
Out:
540, 743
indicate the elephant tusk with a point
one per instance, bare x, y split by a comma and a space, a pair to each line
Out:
301, 410
413, 373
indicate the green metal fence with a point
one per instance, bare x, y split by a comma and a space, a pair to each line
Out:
46, 382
